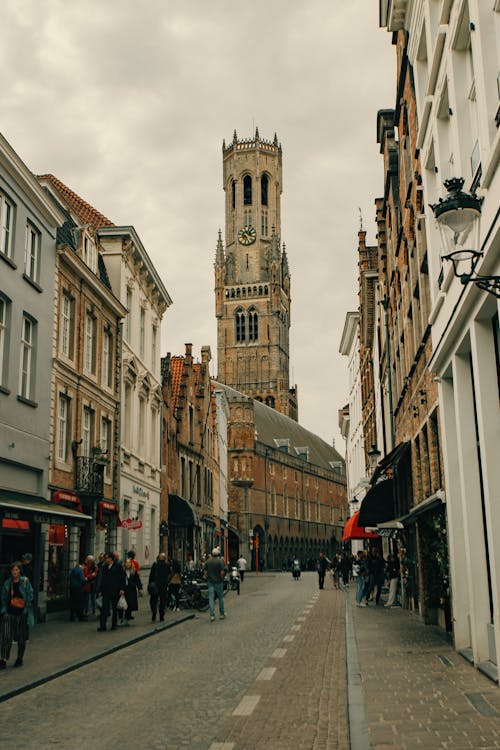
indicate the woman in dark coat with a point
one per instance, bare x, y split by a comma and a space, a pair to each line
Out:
133, 589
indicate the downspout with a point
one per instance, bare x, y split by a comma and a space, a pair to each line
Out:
385, 304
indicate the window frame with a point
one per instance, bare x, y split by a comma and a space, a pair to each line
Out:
7, 231
63, 427
107, 358
89, 351
32, 242
28, 347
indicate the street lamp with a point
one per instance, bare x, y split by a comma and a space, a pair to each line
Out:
458, 215
373, 458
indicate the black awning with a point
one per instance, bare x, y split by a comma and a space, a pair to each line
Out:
377, 505
180, 512
17, 505
391, 459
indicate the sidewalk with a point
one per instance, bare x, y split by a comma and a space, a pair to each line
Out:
59, 646
419, 693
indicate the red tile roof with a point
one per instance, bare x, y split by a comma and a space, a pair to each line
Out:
177, 367
85, 212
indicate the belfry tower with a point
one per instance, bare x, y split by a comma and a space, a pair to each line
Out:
252, 278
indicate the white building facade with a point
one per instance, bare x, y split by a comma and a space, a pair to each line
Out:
137, 284
454, 48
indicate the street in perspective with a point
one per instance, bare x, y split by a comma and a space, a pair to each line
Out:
250, 375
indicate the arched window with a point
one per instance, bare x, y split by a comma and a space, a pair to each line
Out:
240, 325
253, 325
233, 193
247, 190
264, 183
270, 401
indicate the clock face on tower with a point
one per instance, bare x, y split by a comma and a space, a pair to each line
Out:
247, 235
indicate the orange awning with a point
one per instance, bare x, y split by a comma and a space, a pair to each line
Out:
353, 531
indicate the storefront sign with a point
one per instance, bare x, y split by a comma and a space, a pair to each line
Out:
65, 497
138, 490
131, 524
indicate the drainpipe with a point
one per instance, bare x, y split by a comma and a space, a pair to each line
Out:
385, 304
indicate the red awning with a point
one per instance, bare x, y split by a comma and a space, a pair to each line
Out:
353, 531
60, 496
109, 507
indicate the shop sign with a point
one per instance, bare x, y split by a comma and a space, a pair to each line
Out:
131, 524
138, 490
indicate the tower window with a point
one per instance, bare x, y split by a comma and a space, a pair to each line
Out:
247, 190
240, 326
233, 194
264, 183
253, 325
263, 224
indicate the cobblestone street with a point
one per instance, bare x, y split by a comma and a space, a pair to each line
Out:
273, 675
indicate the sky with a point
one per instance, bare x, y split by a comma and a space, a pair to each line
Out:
128, 103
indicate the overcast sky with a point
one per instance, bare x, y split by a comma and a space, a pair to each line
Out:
128, 102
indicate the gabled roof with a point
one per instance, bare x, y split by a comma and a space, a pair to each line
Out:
85, 212
271, 425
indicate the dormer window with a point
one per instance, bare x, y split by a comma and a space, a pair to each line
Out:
89, 252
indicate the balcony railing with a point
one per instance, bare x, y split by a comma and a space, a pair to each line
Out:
89, 475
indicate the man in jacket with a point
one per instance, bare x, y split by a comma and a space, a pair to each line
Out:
159, 578
215, 571
111, 584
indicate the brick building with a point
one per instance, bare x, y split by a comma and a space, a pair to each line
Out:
190, 473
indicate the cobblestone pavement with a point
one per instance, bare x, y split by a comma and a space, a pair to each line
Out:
419, 693
174, 690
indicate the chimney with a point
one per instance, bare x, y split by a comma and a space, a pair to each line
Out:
206, 355
189, 354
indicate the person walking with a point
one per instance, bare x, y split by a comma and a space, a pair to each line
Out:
345, 568
159, 577
378, 574
111, 584
175, 583
133, 589
242, 566
16, 611
90, 571
76, 595
215, 571
322, 567
360, 573
296, 568
393, 571
336, 571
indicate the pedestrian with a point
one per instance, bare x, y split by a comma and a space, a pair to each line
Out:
27, 566
16, 610
378, 565
133, 589
131, 556
322, 567
393, 571
175, 584
360, 573
111, 585
336, 571
159, 576
190, 564
215, 571
76, 595
242, 566
295, 568
90, 571
345, 568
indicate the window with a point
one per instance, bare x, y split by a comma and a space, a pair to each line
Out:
107, 359
32, 252
191, 424
66, 330
142, 421
6, 223
128, 327
105, 442
155, 437
264, 183
89, 253
253, 325
233, 194
27, 364
240, 326
142, 332
247, 218
154, 347
127, 427
89, 353
263, 224
63, 413
183, 477
4, 312
247, 190
87, 431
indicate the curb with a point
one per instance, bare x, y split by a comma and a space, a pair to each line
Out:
359, 738
95, 657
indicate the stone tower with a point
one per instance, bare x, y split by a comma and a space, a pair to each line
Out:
252, 278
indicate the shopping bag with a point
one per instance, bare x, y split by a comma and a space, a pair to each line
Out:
122, 603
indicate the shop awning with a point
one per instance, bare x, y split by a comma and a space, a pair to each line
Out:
19, 506
430, 503
353, 531
180, 512
391, 459
378, 504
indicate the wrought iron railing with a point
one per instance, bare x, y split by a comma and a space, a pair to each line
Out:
89, 475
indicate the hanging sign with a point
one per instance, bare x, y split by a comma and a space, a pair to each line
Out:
131, 524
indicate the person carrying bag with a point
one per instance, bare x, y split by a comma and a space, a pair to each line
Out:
16, 609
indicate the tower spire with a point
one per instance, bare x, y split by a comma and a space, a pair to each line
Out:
219, 253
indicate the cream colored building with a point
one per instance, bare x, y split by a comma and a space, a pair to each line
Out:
137, 284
